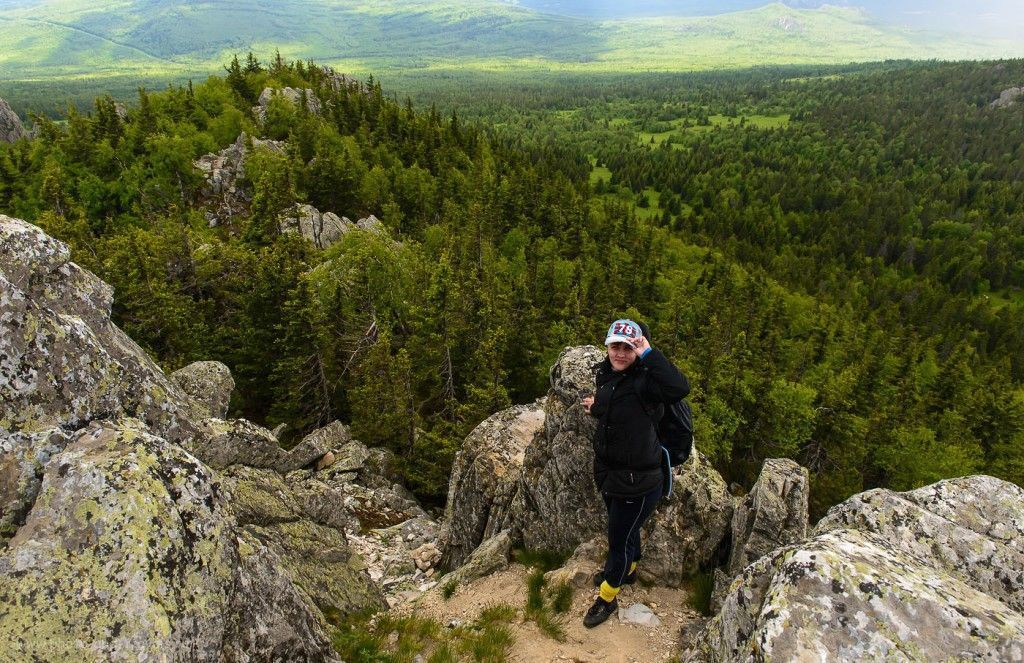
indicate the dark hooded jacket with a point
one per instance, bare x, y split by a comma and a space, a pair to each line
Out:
628, 404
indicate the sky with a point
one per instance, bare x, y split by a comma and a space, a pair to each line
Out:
995, 18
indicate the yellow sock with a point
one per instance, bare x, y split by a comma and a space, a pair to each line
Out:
608, 593
632, 568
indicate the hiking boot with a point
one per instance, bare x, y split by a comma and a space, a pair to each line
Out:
600, 611
628, 580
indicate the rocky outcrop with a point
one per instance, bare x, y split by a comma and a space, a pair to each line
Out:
225, 192
922, 575
772, 515
971, 529
324, 229
209, 384
544, 494
11, 128
116, 541
559, 502
485, 480
292, 95
1008, 97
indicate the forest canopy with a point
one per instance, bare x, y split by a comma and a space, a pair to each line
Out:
834, 258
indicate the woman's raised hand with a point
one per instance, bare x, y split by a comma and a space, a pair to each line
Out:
641, 345
587, 402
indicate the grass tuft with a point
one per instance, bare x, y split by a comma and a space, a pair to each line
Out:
448, 589
497, 613
561, 598
545, 560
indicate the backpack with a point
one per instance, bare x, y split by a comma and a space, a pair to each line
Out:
675, 431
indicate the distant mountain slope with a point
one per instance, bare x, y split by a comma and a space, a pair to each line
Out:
51, 38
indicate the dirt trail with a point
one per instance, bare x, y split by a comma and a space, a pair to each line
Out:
612, 642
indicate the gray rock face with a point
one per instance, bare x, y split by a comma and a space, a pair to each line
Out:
485, 480
560, 504
772, 515
545, 493
64, 363
209, 384
923, 575
11, 128
1008, 97
321, 229
971, 528
325, 229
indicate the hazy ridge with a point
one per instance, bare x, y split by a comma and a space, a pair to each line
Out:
87, 38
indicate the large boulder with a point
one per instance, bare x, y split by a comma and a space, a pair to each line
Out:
11, 128
64, 362
485, 480
971, 528
772, 515
209, 384
922, 575
560, 505
223, 443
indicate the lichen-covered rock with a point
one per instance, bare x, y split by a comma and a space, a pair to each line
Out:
685, 534
972, 528
490, 557
485, 478
209, 384
270, 614
63, 362
127, 553
240, 442
11, 128
22, 459
772, 515
121, 544
925, 575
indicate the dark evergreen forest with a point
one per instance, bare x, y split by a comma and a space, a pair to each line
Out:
835, 258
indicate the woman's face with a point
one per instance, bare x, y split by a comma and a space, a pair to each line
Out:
621, 355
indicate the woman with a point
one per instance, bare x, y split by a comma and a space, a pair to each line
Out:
634, 382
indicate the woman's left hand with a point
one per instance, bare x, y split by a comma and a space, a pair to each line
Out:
641, 346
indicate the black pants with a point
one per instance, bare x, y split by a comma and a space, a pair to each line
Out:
626, 515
